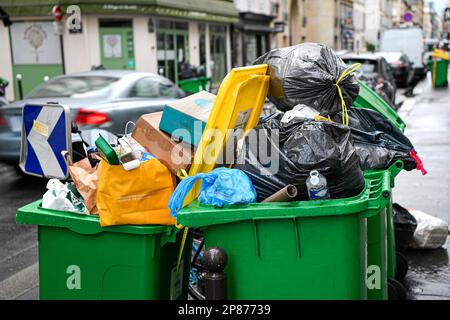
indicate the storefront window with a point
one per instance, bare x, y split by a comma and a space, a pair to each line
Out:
218, 41
202, 44
255, 46
251, 51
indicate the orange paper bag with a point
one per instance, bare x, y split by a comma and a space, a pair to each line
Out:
137, 197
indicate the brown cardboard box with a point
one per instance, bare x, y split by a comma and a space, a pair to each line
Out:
174, 155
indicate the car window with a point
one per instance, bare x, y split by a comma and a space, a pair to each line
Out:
153, 87
388, 72
367, 66
73, 85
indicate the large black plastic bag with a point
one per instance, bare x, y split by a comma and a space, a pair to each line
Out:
377, 141
299, 148
405, 226
307, 74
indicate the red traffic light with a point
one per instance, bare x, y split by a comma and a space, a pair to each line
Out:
57, 13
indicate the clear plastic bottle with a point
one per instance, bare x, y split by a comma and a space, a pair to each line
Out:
317, 186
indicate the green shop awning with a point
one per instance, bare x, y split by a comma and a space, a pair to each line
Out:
203, 10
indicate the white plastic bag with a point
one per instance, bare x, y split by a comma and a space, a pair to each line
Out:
431, 232
59, 197
299, 113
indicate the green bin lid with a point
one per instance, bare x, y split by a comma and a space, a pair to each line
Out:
368, 99
33, 213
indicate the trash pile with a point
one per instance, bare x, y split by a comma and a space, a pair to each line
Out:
319, 147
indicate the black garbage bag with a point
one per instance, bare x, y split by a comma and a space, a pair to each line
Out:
286, 154
307, 74
405, 225
378, 142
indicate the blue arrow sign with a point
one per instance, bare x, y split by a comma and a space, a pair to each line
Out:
46, 132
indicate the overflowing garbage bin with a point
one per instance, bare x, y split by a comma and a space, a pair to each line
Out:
324, 241
438, 65
80, 260
294, 250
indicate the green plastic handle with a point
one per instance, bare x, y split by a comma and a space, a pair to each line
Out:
379, 203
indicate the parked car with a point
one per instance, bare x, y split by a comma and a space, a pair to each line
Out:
3, 84
103, 99
409, 41
402, 67
376, 73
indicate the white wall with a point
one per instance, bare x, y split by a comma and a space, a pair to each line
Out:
93, 40
194, 44
256, 6
6, 61
144, 46
76, 49
373, 21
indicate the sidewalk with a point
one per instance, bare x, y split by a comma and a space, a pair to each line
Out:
428, 126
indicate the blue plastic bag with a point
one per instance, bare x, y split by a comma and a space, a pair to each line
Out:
219, 188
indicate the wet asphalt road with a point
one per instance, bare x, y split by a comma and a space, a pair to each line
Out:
428, 126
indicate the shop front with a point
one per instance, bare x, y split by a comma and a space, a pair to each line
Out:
121, 35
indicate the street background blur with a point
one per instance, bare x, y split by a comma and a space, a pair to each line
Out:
179, 40
214, 34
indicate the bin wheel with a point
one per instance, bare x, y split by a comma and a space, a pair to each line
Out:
402, 267
396, 290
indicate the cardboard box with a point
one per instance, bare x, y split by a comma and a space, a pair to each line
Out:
186, 118
174, 155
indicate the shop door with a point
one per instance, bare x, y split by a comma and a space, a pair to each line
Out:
218, 54
172, 53
117, 47
36, 53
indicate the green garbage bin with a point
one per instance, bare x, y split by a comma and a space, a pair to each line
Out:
80, 260
438, 68
194, 85
294, 250
381, 241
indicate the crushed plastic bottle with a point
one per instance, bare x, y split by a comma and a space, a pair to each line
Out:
317, 186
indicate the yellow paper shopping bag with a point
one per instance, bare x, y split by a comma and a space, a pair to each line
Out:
137, 197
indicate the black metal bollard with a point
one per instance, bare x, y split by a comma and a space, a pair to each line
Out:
215, 260
20, 86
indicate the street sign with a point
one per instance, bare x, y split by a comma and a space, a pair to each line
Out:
408, 17
46, 132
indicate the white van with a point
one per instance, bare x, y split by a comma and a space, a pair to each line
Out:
409, 41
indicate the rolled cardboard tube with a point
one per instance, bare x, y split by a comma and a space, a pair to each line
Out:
288, 193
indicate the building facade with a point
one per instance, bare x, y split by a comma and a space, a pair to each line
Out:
379, 17
252, 36
306, 20
157, 38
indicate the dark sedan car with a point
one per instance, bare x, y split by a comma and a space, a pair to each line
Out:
376, 73
103, 99
402, 66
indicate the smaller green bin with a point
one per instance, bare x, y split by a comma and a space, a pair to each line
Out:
80, 260
294, 250
194, 85
438, 68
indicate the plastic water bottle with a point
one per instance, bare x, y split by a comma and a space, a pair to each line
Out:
317, 186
